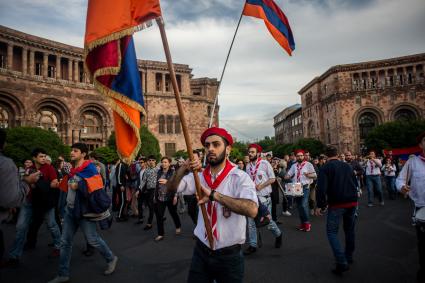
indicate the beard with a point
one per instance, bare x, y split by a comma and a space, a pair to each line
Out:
217, 160
300, 160
252, 159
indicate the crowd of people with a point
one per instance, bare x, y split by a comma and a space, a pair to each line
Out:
85, 193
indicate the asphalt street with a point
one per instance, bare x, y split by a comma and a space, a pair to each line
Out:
385, 252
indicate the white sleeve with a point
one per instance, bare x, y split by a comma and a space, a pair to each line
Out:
270, 172
187, 185
246, 188
402, 177
291, 171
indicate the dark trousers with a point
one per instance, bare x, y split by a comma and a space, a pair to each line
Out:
160, 211
209, 266
275, 199
146, 198
115, 192
38, 214
342, 256
1, 244
420, 233
192, 207
122, 204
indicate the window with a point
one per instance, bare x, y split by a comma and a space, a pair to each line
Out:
158, 81
51, 71
177, 125
196, 93
170, 122
161, 129
308, 99
179, 82
167, 83
170, 149
209, 111
47, 119
2, 61
404, 115
38, 69
4, 118
367, 122
91, 122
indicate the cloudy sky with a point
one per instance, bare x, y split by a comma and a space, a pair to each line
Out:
261, 79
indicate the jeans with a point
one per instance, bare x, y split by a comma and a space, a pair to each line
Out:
70, 226
38, 216
390, 181
205, 267
252, 229
373, 182
302, 205
160, 211
22, 226
332, 225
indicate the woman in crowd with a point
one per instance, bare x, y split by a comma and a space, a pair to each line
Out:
164, 199
389, 170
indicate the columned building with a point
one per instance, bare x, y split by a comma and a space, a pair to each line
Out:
341, 106
288, 125
43, 84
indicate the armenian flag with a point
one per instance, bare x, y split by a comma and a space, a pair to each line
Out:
275, 20
404, 153
111, 63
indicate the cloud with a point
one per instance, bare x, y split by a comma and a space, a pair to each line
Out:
261, 79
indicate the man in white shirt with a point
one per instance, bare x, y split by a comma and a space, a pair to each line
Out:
140, 199
302, 172
373, 178
261, 173
411, 182
229, 196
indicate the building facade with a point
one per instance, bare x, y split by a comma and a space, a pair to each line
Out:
43, 84
288, 125
342, 105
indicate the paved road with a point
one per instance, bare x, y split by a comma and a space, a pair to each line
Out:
385, 252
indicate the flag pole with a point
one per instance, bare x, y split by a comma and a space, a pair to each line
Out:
224, 70
188, 141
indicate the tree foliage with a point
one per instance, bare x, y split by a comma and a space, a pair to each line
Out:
21, 141
181, 154
106, 154
398, 134
267, 143
315, 147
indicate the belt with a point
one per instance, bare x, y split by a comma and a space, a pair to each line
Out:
223, 251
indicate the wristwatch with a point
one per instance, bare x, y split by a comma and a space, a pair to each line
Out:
211, 197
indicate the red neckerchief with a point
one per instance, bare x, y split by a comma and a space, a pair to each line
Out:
212, 206
299, 168
372, 166
254, 173
422, 156
75, 170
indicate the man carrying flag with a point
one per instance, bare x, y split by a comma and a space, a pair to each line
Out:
84, 181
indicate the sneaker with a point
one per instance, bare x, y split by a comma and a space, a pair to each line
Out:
381, 203
250, 250
340, 269
301, 227
59, 279
312, 212
55, 253
307, 227
111, 266
286, 213
178, 231
278, 242
158, 238
370, 204
147, 227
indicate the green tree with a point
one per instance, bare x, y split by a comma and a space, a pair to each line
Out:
315, 147
181, 154
398, 134
106, 154
280, 150
267, 143
22, 140
150, 144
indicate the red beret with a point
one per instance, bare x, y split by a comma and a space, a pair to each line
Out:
299, 151
420, 137
218, 132
257, 146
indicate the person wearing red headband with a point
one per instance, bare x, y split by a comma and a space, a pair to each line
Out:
261, 172
411, 182
229, 195
302, 172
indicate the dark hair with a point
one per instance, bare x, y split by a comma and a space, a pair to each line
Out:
166, 157
151, 157
143, 159
2, 138
331, 151
197, 153
36, 151
81, 146
94, 155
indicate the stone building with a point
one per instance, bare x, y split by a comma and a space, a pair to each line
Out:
342, 105
43, 84
288, 125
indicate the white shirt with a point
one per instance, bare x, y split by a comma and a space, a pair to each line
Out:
373, 167
141, 181
389, 171
307, 168
264, 173
231, 230
417, 180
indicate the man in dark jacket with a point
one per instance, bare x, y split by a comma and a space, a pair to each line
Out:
337, 191
122, 178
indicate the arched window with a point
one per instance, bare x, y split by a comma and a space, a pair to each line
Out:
170, 122
47, 119
4, 118
161, 124
367, 122
310, 129
404, 115
91, 122
177, 125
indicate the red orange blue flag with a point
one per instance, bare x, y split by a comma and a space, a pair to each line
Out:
275, 20
110, 61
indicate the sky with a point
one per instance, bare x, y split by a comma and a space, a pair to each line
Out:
260, 79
